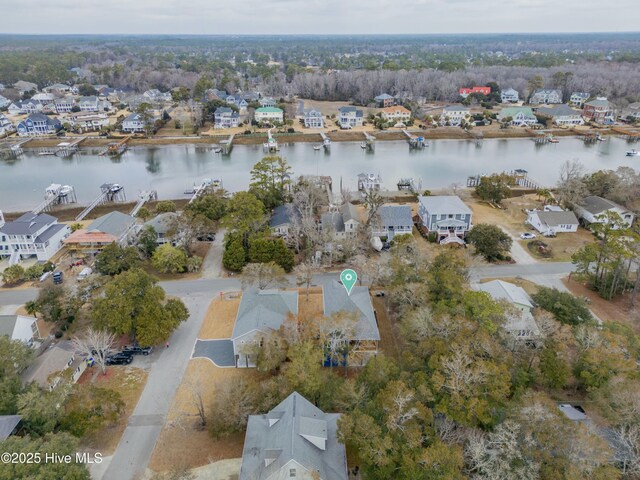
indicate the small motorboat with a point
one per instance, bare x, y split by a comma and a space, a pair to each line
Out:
317, 147
217, 150
65, 190
632, 153
554, 140
363, 145
42, 154
115, 188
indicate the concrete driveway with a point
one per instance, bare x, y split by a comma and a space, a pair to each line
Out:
518, 252
220, 352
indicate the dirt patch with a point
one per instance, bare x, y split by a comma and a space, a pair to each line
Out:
183, 441
220, 318
129, 382
617, 310
389, 342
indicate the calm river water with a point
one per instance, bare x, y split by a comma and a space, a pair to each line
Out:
172, 169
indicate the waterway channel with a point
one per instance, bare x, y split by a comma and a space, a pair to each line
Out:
170, 170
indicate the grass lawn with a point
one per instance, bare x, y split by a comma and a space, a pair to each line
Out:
129, 382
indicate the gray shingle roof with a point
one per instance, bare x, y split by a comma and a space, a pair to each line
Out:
500, 290
295, 430
163, 222
598, 102
50, 232
395, 215
553, 219
282, 215
8, 325
456, 108
7, 424
444, 204
264, 310
335, 299
349, 212
383, 96
27, 224
596, 205
333, 221
113, 223
558, 111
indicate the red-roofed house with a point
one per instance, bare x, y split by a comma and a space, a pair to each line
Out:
465, 92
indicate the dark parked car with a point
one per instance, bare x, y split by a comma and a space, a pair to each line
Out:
57, 278
119, 359
137, 350
209, 237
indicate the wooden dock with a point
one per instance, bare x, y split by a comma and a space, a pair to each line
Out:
628, 134
227, 145
56, 194
415, 142
520, 176
326, 141
109, 192
116, 148
144, 197
369, 141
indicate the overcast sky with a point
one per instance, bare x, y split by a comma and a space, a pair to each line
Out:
317, 16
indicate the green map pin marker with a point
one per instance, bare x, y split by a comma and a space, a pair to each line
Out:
349, 279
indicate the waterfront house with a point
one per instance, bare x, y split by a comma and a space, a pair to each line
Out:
385, 100
453, 115
553, 222
520, 116
353, 326
592, 209
23, 87
294, 440
260, 313
47, 370
546, 96
134, 123
162, 225
269, 115
350, 117
396, 114
4, 102
64, 105
341, 223
599, 110
369, 181
392, 220
446, 216
238, 101
6, 126
509, 96
215, 94
282, 218
578, 99
520, 323
313, 119
267, 102
632, 112
89, 122
43, 98
20, 328
112, 227
32, 235
225, 117
25, 107
562, 115
465, 92
37, 124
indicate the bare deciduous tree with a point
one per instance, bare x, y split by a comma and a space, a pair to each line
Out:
96, 344
263, 275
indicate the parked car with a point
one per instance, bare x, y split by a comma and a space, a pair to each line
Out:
119, 359
137, 350
209, 237
527, 236
57, 278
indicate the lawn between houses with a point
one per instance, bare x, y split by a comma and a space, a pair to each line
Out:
182, 441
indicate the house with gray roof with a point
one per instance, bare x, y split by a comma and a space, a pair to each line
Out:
282, 218
385, 100
453, 115
313, 119
260, 313
519, 322
509, 96
162, 224
46, 370
353, 320
294, 440
8, 425
225, 117
546, 96
592, 209
5, 125
350, 117
577, 99
266, 102
31, 234
113, 223
342, 223
4, 102
19, 327
520, 116
445, 215
553, 222
38, 124
599, 110
562, 115
23, 87
393, 220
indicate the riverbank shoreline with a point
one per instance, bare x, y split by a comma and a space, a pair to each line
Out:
440, 133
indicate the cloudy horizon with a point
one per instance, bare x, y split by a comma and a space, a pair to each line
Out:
271, 17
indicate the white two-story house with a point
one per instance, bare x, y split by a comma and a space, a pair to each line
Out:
343, 223
520, 116
269, 115
396, 114
350, 117
445, 215
546, 96
509, 96
38, 235
562, 115
225, 117
64, 105
38, 124
313, 119
453, 115
578, 99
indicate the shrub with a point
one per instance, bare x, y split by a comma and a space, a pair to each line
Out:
565, 307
